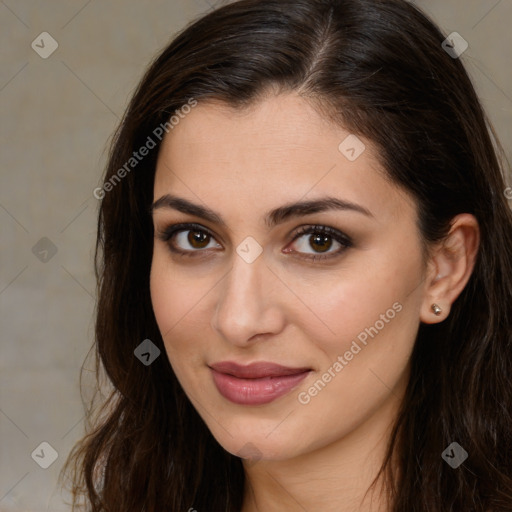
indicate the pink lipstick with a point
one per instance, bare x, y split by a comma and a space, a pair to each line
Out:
256, 383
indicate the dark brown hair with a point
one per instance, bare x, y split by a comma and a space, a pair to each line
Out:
376, 67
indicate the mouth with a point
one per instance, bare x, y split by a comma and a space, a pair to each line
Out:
257, 383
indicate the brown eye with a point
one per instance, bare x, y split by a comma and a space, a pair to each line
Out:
188, 239
320, 243
198, 239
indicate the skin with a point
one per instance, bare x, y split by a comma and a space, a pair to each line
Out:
290, 310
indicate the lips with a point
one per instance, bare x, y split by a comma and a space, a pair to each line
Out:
257, 383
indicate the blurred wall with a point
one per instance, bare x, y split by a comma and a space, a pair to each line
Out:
57, 116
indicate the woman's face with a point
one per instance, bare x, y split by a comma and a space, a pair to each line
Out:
326, 298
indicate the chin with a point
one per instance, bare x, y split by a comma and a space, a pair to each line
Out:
253, 440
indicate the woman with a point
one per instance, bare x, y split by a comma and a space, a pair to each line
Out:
305, 273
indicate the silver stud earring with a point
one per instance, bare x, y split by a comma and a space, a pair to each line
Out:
436, 309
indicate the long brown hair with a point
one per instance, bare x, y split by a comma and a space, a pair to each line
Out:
376, 67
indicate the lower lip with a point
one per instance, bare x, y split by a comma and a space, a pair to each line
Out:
255, 391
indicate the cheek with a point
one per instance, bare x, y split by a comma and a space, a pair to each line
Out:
175, 294
381, 297
182, 303
373, 318
175, 299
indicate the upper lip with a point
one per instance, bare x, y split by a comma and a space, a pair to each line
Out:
256, 370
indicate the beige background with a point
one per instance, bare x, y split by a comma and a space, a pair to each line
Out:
57, 116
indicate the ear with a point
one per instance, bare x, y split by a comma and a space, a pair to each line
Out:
449, 268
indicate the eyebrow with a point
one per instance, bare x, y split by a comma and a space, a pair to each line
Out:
272, 218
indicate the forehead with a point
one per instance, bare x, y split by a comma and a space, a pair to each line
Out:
278, 150
278, 126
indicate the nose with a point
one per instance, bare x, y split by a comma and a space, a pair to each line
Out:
248, 303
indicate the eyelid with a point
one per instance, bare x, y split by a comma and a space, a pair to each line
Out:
166, 233
338, 235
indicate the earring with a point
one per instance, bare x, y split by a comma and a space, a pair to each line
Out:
436, 309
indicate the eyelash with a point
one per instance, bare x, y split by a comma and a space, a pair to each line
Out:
338, 236
169, 233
